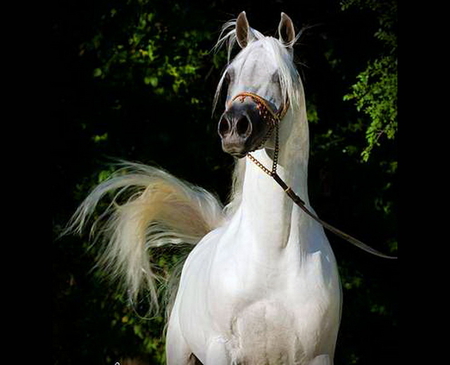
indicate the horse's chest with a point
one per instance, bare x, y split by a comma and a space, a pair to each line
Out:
263, 333
274, 316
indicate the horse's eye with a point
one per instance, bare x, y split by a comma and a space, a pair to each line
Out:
227, 78
276, 77
229, 75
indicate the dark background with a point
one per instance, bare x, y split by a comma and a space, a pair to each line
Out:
135, 81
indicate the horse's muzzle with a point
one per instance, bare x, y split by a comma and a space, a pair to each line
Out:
242, 128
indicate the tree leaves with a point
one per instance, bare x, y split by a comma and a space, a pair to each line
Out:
375, 92
148, 49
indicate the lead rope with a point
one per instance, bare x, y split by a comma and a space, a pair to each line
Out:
276, 118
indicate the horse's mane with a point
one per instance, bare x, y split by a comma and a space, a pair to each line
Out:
289, 80
152, 209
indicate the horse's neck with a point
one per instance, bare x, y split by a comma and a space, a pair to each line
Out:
266, 208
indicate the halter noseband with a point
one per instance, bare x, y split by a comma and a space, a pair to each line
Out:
273, 119
265, 110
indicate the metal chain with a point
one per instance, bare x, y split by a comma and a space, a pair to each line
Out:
259, 164
274, 160
275, 121
277, 149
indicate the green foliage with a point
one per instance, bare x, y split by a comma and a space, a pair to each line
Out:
147, 48
376, 95
375, 92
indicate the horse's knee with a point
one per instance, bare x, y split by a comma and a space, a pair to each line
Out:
322, 360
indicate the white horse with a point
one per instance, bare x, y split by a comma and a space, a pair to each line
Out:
261, 283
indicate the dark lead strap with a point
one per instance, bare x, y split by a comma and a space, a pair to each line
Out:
296, 199
273, 119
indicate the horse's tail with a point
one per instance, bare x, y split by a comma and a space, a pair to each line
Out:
162, 211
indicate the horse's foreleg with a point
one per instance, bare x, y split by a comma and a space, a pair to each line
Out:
321, 360
217, 354
177, 350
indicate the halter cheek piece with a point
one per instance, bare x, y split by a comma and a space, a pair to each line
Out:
273, 119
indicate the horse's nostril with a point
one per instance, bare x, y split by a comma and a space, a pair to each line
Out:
243, 127
224, 127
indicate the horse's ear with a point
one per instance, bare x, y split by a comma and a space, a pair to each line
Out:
243, 32
286, 30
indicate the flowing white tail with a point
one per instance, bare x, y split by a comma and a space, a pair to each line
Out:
162, 210
262, 287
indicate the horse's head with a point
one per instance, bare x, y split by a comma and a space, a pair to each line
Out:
258, 80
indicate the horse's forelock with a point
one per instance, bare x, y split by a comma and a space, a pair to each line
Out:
288, 75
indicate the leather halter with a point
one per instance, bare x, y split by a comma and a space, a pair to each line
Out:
273, 119
264, 107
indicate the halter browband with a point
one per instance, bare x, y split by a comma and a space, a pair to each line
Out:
273, 119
